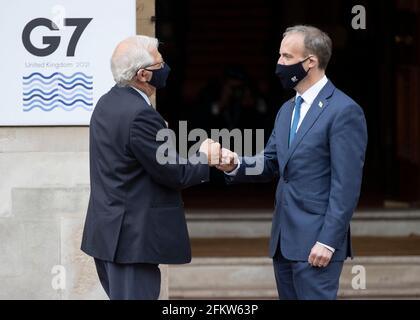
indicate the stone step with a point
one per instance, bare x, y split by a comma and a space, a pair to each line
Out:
258, 247
47, 202
45, 227
253, 278
257, 223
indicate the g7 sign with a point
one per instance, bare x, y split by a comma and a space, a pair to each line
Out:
53, 42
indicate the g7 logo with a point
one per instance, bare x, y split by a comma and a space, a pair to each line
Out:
54, 41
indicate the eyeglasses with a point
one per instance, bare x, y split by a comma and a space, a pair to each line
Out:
162, 64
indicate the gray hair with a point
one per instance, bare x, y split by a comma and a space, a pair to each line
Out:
129, 56
316, 42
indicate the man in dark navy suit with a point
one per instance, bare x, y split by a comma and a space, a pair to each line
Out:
317, 150
135, 219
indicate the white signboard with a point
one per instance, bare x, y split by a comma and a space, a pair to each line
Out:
55, 58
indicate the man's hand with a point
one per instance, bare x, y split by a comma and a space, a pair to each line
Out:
320, 256
212, 150
228, 161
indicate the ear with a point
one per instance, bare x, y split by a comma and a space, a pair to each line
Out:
142, 75
313, 61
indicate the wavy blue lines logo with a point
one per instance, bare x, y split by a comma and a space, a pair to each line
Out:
57, 91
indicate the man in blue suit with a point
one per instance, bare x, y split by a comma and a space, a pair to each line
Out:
317, 150
135, 219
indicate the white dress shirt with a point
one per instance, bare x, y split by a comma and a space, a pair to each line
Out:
308, 98
143, 95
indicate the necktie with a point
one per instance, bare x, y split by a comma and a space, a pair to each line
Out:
296, 119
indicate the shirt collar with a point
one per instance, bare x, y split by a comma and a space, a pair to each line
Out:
145, 97
309, 95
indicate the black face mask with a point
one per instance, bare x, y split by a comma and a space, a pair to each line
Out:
159, 76
290, 75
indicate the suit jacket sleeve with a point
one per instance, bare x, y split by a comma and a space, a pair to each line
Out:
179, 173
348, 140
263, 167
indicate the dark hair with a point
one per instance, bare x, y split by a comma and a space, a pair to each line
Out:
316, 42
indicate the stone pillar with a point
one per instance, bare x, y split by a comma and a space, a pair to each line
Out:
145, 13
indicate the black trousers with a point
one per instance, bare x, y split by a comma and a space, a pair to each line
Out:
137, 281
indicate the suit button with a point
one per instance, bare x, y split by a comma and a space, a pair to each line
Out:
286, 180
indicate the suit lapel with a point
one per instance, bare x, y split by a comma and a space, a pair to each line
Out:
283, 127
318, 106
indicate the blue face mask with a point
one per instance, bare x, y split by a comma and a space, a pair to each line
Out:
159, 76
